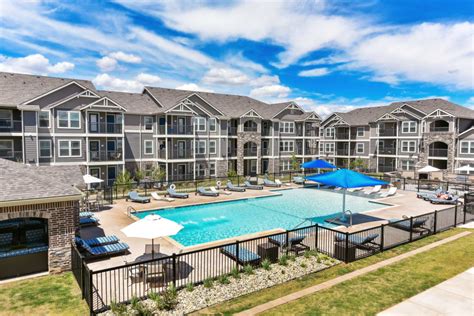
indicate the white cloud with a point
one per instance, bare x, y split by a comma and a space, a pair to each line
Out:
33, 64
193, 87
265, 80
271, 91
108, 82
316, 72
107, 63
127, 58
238, 60
225, 76
470, 103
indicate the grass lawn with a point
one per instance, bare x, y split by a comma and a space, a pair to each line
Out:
48, 295
370, 293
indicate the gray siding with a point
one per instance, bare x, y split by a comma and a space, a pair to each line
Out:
30, 149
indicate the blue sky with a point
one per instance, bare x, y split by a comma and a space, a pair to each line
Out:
326, 55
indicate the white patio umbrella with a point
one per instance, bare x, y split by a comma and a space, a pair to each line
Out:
88, 179
428, 169
467, 168
151, 227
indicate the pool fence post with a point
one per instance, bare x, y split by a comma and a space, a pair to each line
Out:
435, 221
455, 214
316, 236
287, 243
382, 236
466, 200
237, 254
404, 183
346, 252
418, 186
411, 228
447, 185
174, 269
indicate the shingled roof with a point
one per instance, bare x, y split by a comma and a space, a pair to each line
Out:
21, 182
135, 103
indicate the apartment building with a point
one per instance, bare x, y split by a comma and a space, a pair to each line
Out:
402, 136
59, 121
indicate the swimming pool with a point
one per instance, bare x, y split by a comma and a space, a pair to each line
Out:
216, 221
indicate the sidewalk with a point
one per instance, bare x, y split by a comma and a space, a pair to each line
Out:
452, 297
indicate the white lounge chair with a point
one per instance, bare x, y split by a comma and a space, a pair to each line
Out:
277, 181
213, 189
337, 189
390, 192
354, 189
156, 197
375, 189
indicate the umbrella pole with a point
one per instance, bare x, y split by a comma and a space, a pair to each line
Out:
343, 217
152, 249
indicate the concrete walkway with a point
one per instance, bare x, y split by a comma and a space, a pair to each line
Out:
325, 285
452, 297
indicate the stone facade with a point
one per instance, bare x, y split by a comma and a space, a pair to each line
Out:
63, 221
432, 137
222, 168
242, 139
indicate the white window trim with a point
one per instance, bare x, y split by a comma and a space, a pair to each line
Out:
287, 127
197, 146
69, 141
215, 147
331, 147
197, 124
408, 123
363, 131
144, 123
11, 117
210, 169
286, 144
408, 146
50, 148
49, 119
69, 119
12, 147
145, 142
470, 147
408, 163
358, 146
215, 124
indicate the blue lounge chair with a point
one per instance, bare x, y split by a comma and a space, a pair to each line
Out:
134, 197
250, 186
298, 180
231, 187
88, 221
454, 200
99, 241
35, 237
280, 240
245, 256
428, 195
417, 225
86, 214
6, 240
204, 192
105, 250
172, 193
270, 183
366, 243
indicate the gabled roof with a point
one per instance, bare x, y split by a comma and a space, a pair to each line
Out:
16, 89
135, 103
430, 105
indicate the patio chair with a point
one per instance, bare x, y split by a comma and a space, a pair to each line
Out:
203, 192
98, 241
453, 200
250, 186
134, 197
417, 226
245, 256
231, 187
392, 191
156, 197
427, 195
6, 239
172, 193
354, 189
106, 250
88, 221
375, 189
364, 243
35, 237
213, 189
270, 183
295, 242
299, 180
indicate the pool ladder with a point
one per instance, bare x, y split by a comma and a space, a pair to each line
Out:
130, 210
350, 216
306, 220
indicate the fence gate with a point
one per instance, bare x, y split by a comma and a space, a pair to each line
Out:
108, 195
469, 203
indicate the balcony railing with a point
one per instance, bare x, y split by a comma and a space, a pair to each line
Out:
231, 130
342, 135
387, 151
180, 154
435, 152
105, 128
252, 129
250, 152
265, 151
103, 155
311, 151
387, 132
10, 126
181, 130
440, 129
311, 132
232, 152
11, 155
385, 168
266, 132
342, 152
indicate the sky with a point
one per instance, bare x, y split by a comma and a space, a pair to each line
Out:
326, 56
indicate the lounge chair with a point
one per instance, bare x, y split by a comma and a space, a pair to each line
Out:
213, 189
99, 241
337, 189
294, 242
365, 243
156, 197
298, 180
245, 256
88, 221
375, 189
172, 193
270, 183
203, 192
427, 195
454, 200
231, 187
417, 226
277, 181
86, 214
392, 191
134, 197
354, 189
105, 250
250, 186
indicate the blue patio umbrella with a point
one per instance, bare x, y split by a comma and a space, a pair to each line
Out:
346, 179
318, 164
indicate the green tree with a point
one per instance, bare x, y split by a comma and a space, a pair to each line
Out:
358, 164
295, 164
124, 181
139, 174
158, 174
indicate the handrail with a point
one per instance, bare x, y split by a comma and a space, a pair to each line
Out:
306, 220
130, 210
350, 216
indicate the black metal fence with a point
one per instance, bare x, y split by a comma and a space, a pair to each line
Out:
120, 284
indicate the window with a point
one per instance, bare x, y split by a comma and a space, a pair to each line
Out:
287, 127
70, 148
6, 119
212, 169
409, 127
360, 148
69, 119
200, 123
148, 123
148, 147
6, 148
360, 132
44, 119
408, 146
212, 146
467, 147
321, 147
407, 165
285, 165
200, 170
45, 148
330, 132
287, 146
201, 147
330, 148
212, 125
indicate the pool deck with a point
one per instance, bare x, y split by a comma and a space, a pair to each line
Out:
114, 218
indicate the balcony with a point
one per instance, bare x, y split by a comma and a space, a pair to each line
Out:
311, 133
385, 168
11, 155
387, 132
181, 130
387, 151
103, 155
266, 132
180, 154
232, 130
266, 152
342, 152
440, 129
105, 128
250, 152
232, 152
342, 135
311, 151
9, 126
438, 152
251, 129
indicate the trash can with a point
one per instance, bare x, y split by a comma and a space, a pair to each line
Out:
340, 251
268, 251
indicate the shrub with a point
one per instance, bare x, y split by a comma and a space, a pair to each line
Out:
118, 309
248, 269
190, 287
168, 299
223, 279
208, 283
266, 264
292, 258
303, 265
283, 260
139, 307
235, 273
310, 253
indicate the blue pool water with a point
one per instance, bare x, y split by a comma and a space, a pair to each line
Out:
215, 221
